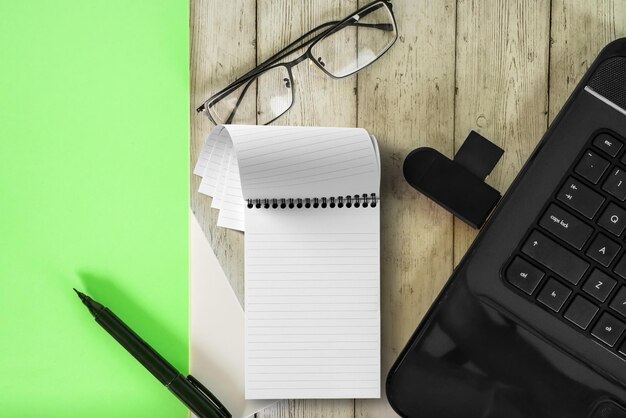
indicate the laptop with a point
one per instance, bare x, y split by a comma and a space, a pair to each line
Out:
532, 322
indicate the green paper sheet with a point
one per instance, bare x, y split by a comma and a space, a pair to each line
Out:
94, 108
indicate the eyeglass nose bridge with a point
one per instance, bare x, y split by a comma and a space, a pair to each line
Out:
298, 60
316, 62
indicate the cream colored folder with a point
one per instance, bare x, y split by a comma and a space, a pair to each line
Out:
216, 329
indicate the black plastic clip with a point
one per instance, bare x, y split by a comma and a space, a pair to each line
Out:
457, 185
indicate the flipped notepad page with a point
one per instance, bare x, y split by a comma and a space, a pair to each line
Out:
312, 272
219, 169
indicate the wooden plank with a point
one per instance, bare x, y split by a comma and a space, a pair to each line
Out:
580, 29
320, 101
502, 85
222, 48
407, 100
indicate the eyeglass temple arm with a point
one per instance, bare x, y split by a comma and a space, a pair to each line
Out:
387, 27
289, 49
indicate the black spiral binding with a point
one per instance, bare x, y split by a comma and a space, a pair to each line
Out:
357, 201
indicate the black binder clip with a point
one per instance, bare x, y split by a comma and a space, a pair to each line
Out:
457, 185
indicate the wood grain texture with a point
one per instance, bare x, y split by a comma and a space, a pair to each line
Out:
407, 100
503, 68
223, 46
502, 85
579, 30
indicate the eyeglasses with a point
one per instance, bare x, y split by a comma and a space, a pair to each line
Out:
340, 49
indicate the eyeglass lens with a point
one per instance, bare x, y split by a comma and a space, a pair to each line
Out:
357, 43
258, 101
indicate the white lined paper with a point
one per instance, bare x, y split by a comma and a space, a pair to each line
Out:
222, 178
203, 158
214, 162
312, 274
232, 208
300, 162
308, 338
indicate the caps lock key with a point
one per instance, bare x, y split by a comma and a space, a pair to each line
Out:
566, 226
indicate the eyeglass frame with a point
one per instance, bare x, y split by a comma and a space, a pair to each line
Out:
270, 63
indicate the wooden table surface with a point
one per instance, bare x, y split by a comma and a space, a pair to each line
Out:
503, 68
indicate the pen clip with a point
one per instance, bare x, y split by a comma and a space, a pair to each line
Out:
212, 398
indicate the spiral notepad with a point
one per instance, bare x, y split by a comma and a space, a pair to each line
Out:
309, 203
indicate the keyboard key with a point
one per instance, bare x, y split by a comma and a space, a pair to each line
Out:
554, 295
615, 183
608, 144
613, 219
580, 198
566, 226
592, 166
608, 329
622, 349
599, 285
581, 312
618, 303
603, 250
524, 275
552, 255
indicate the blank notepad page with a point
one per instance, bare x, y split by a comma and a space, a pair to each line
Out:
312, 294
312, 303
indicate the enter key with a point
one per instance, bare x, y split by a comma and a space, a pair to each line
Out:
566, 226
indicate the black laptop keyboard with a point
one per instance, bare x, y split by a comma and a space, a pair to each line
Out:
572, 260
